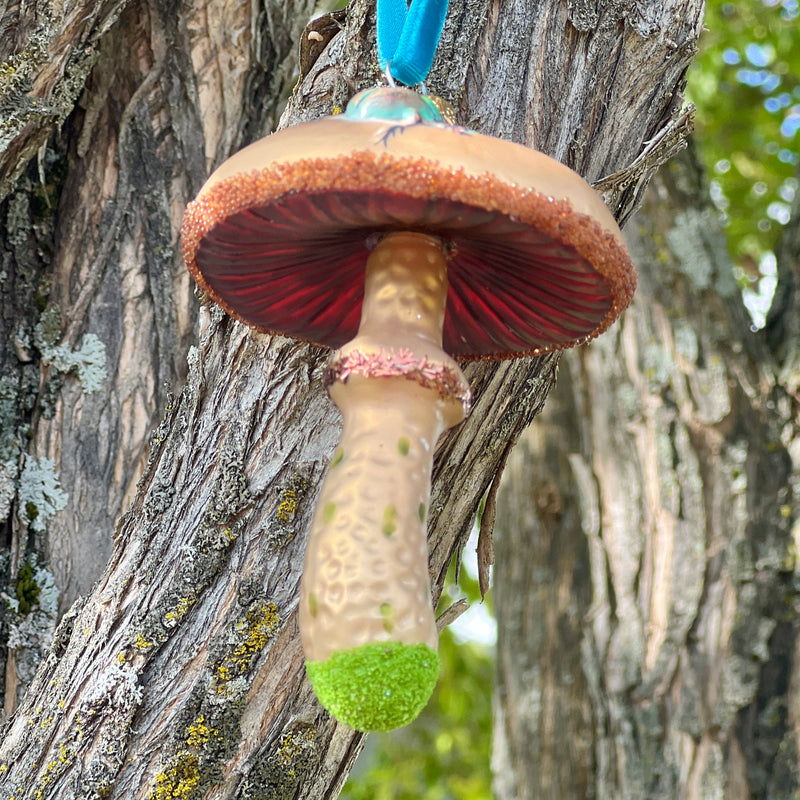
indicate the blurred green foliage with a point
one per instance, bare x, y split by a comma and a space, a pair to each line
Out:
746, 86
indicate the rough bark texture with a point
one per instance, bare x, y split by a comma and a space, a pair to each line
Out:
180, 674
90, 247
646, 556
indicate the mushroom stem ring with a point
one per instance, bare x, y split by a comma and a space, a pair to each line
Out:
485, 250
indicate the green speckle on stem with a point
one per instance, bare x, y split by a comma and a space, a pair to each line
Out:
329, 512
388, 616
389, 522
403, 445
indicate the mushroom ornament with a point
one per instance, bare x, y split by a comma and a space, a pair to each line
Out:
407, 244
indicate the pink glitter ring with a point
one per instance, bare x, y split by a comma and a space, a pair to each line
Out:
401, 364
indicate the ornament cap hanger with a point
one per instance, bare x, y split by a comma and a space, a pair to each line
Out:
408, 37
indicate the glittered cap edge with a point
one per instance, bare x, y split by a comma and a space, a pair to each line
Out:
419, 178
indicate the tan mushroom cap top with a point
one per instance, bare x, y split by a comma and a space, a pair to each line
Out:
280, 233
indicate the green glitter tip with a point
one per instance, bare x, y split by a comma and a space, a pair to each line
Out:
378, 686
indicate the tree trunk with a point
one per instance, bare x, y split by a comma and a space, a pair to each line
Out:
180, 674
646, 559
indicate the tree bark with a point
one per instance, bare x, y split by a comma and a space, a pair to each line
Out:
180, 674
648, 617
91, 248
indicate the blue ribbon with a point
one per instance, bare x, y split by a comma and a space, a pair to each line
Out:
407, 37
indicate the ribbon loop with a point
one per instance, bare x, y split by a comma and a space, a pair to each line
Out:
407, 37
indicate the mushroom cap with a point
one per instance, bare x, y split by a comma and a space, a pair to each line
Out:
280, 233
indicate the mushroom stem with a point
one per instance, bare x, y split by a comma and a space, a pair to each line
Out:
366, 614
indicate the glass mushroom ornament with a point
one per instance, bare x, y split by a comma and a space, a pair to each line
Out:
404, 243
